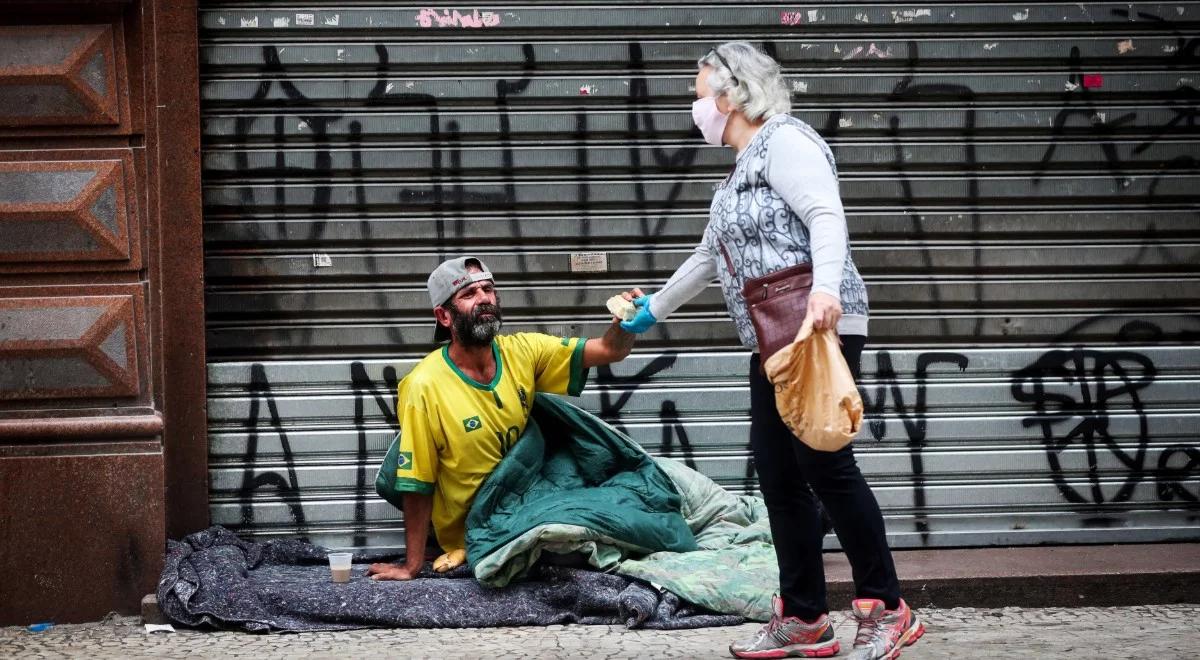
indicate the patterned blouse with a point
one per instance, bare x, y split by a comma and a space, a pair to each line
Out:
763, 233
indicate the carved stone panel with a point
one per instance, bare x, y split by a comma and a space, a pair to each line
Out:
65, 211
53, 75
68, 347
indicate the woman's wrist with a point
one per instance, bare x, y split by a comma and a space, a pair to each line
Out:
832, 293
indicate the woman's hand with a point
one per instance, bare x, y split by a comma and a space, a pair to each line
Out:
824, 310
644, 319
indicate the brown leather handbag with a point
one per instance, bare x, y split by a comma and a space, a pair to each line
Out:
778, 303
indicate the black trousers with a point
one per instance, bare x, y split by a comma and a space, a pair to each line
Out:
786, 469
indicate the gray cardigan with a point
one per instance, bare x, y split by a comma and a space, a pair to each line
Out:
779, 207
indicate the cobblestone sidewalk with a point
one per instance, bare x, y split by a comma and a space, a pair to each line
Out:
1130, 632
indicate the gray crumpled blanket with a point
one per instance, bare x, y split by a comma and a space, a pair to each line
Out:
213, 578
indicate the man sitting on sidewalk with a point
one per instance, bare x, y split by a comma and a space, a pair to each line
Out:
464, 405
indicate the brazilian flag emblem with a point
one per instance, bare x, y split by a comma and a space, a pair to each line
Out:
472, 423
404, 461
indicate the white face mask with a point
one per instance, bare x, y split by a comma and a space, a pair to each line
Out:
710, 120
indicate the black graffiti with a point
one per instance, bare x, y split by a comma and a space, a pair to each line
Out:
913, 417
607, 382
385, 402
320, 123
672, 430
1177, 466
1097, 380
611, 407
1187, 330
1083, 104
448, 197
1074, 393
640, 121
445, 150
504, 90
906, 91
1090, 113
287, 487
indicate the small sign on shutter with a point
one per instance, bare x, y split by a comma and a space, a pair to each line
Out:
321, 260
589, 262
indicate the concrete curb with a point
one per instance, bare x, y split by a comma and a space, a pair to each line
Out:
1060, 576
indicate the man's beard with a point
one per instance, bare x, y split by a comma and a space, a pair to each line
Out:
471, 330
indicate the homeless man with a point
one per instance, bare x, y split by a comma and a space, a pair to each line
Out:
463, 406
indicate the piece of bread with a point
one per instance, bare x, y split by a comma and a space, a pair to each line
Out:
621, 308
452, 559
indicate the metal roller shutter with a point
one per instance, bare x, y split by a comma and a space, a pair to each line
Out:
1020, 181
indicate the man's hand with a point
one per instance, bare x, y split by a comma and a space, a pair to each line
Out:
417, 511
631, 296
385, 571
616, 343
824, 310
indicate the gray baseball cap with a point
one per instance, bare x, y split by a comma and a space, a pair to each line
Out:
446, 280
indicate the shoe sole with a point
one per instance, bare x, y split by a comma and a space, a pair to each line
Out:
910, 637
806, 651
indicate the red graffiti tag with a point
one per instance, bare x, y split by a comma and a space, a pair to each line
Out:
791, 18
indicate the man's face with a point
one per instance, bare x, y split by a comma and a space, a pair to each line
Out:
474, 312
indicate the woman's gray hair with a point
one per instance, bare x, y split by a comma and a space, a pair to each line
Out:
749, 78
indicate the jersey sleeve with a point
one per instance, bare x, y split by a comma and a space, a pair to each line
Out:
417, 464
557, 363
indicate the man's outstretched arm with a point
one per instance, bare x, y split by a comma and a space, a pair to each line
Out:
613, 346
418, 509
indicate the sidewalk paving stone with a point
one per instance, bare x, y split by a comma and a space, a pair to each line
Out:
1150, 631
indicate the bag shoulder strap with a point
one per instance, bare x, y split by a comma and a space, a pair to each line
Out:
725, 253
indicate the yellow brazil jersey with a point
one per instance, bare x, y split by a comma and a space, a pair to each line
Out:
454, 430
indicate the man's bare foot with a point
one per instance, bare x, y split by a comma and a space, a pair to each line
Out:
385, 571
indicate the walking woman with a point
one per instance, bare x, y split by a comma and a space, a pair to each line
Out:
780, 207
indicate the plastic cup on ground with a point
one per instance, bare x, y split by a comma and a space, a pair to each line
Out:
339, 565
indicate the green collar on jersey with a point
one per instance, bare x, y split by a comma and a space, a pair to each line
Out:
471, 381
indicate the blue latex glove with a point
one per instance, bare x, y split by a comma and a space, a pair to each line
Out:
644, 319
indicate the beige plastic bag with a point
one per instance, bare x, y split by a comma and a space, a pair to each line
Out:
814, 390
